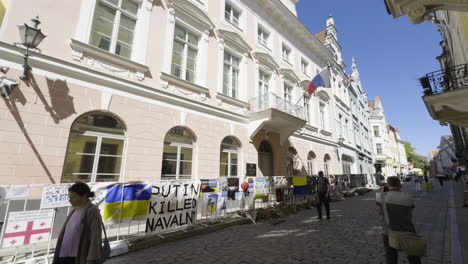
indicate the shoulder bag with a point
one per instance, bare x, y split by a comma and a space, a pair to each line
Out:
408, 242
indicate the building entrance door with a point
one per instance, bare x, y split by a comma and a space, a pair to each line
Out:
265, 159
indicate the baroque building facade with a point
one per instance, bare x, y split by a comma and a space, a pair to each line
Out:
174, 89
389, 149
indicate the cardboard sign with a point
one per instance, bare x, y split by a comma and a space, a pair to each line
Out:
173, 205
55, 195
27, 227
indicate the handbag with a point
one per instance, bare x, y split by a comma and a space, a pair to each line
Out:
409, 242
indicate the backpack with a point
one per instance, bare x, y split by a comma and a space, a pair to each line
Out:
105, 247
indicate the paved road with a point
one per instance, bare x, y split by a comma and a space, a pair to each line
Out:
351, 236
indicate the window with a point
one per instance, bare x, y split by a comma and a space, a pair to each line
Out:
340, 126
230, 75
114, 26
307, 109
263, 90
288, 92
376, 131
304, 67
95, 149
322, 116
379, 148
286, 53
177, 154
229, 158
310, 163
326, 161
263, 36
184, 55
232, 14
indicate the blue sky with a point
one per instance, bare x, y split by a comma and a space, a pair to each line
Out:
391, 54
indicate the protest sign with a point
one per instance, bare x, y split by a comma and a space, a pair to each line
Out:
27, 227
173, 205
55, 195
261, 188
17, 192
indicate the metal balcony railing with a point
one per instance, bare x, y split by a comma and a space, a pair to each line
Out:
271, 100
445, 80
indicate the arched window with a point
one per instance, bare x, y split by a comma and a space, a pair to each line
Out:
229, 158
310, 163
326, 162
95, 149
177, 154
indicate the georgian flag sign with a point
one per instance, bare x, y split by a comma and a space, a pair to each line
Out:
27, 227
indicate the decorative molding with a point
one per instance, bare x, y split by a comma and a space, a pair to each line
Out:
232, 101
221, 44
164, 84
183, 84
117, 63
148, 5
171, 15
77, 55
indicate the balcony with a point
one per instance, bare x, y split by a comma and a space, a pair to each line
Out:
445, 94
273, 113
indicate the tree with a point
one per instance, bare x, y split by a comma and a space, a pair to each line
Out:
417, 160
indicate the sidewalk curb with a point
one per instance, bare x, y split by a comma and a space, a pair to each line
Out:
157, 241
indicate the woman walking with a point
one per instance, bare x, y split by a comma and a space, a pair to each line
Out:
80, 240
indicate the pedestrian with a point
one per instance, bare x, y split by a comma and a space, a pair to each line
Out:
399, 210
80, 240
417, 181
427, 184
440, 177
323, 195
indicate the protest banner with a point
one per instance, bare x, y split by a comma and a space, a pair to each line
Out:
27, 227
173, 205
55, 195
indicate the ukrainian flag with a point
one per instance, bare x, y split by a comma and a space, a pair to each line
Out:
127, 202
300, 184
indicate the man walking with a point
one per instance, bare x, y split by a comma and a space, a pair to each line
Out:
399, 209
323, 195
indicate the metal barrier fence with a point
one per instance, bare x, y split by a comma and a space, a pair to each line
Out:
122, 232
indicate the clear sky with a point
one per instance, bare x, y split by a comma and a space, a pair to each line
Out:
391, 54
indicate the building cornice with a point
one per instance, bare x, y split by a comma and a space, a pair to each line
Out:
42, 65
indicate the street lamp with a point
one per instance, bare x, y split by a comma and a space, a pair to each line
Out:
31, 37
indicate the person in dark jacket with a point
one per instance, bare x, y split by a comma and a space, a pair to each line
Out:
80, 240
323, 195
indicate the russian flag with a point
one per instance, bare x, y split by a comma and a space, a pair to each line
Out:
322, 79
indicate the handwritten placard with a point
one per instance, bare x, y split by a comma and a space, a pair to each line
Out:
55, 195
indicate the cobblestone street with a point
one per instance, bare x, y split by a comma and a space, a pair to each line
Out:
351, 236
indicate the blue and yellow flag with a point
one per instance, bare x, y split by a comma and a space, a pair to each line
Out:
127, 202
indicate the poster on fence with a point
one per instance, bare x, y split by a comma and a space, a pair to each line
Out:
55, 195
212, 204
27, 227
126, 202
173, 205
17, 192
261, 187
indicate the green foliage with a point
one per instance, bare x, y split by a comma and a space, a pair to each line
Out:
417, 160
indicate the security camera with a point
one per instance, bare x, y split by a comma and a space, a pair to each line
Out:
7, 86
